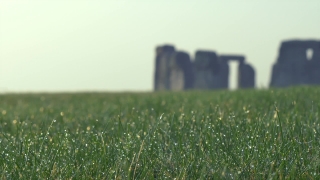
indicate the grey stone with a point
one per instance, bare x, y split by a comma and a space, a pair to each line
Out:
206, 70
246, 76
180, 72
293, 67
173, 70
246, 73
224, 75
228, 58
163, 54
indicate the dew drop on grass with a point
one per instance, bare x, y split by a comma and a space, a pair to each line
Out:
54, 120
161, 116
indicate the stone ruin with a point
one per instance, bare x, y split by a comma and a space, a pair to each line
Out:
298, 63
246, 73
174, 70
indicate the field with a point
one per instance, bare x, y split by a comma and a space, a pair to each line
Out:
245, 134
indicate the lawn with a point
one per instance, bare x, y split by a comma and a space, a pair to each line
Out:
244, 134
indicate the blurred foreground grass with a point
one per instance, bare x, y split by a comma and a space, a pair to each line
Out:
167, 135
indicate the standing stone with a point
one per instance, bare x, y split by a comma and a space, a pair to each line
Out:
161, 78
206, 70
224, 75
313, 67
180, 72
246, 76
280, 76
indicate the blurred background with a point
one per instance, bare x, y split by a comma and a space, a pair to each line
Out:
82, 45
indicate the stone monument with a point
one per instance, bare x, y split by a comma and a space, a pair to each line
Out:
206, 70
175, 71
246, 73
298, 63
163, 54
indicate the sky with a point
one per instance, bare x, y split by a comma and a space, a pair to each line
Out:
95, 45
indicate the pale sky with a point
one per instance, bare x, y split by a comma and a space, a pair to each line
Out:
91, 45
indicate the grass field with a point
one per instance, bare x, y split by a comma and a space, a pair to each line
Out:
247, 134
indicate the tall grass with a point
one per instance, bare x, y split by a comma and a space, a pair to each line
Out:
246, 134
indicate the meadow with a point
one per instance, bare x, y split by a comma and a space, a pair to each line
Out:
243, 134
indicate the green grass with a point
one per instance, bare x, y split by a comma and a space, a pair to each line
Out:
247, 134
